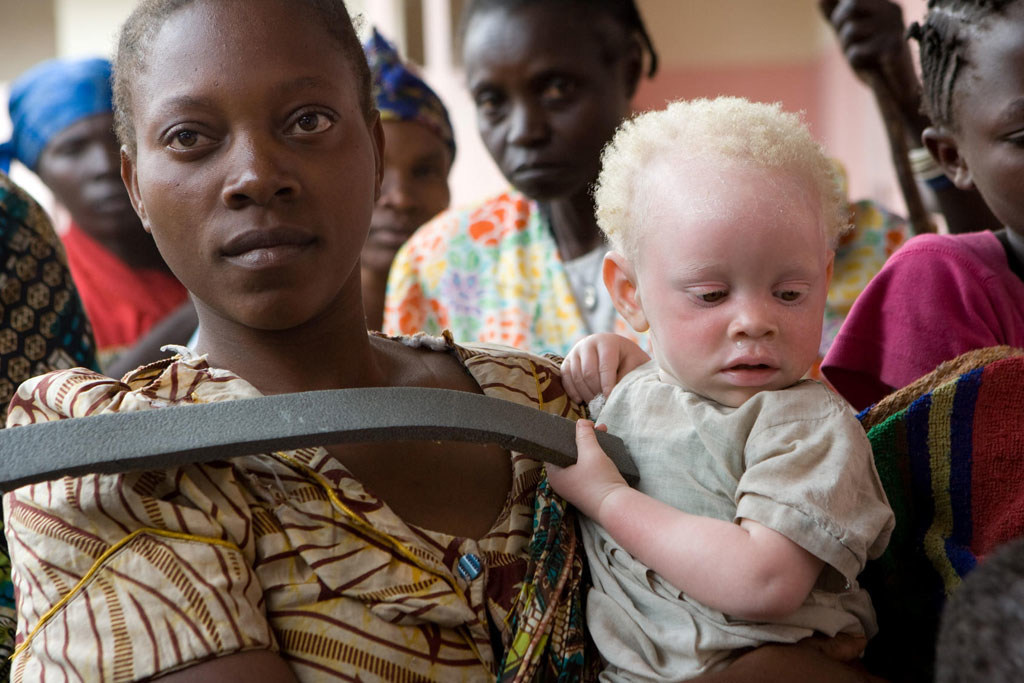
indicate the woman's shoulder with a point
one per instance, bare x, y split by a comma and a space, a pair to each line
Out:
501, 371
80, 392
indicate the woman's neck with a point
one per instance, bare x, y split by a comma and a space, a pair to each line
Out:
333, 351
573, 224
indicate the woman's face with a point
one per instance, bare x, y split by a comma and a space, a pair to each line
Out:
255, 169
81, 166
414, 189
547, 95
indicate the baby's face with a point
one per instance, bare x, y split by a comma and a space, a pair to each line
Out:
732, 274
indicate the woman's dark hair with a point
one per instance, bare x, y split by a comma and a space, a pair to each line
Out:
623, 12
150, 15
943, 36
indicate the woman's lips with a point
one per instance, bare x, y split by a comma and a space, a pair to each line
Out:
264, 248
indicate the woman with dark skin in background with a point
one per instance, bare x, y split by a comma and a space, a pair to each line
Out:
551, 81
417, 158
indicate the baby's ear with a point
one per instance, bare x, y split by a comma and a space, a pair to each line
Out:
620, 280
944, 148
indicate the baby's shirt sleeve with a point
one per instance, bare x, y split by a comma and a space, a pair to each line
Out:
122, 577
809, 474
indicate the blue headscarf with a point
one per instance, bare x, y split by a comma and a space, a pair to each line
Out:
400, 95
48, 98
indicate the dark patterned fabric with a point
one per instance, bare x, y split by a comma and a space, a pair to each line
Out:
42, 328
42, 323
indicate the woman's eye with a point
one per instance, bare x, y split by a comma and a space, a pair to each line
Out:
313, 122
427, 171
184, 139
487, 103
556, 89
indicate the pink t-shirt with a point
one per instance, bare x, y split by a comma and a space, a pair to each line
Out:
937, 297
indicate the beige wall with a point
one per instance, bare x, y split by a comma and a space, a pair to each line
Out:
734, 32
26, 35
89, 27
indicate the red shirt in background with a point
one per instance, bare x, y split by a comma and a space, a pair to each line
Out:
122, 303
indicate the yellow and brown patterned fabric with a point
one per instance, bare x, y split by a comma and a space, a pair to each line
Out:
120, 577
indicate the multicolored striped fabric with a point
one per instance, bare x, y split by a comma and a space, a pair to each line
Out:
949, 450
121, 577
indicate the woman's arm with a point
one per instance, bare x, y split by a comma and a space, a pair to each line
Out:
746, 570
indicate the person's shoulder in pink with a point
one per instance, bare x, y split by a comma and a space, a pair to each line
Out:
937, 297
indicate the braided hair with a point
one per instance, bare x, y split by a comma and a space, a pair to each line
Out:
623, 12
149, 17
943, 37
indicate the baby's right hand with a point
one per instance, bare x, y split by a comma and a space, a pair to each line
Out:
596, 363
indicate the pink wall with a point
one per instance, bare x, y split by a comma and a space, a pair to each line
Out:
793, 85
840, 110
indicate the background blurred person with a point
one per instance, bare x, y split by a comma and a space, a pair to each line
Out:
62, 118
418, 153
551, 81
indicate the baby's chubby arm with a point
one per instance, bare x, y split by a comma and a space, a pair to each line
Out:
596, 363
745, 570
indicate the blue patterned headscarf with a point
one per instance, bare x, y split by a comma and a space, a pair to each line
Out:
48, 98
400, 95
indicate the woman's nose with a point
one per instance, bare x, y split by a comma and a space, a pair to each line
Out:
103, 158
528, 124
396, 191
257, 174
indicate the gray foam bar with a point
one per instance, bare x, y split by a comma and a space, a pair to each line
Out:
179, 435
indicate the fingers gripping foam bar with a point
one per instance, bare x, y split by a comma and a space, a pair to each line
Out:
169, 437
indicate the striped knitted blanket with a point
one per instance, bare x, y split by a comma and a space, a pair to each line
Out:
950, 453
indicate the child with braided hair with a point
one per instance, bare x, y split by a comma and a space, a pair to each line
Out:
942, 295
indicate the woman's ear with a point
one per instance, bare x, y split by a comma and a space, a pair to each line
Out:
377, 138
944, 149
131, 181
620, 280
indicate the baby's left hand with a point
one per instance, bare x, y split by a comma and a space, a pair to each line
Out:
594, 476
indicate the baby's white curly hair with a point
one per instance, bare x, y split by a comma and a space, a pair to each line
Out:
731, 129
